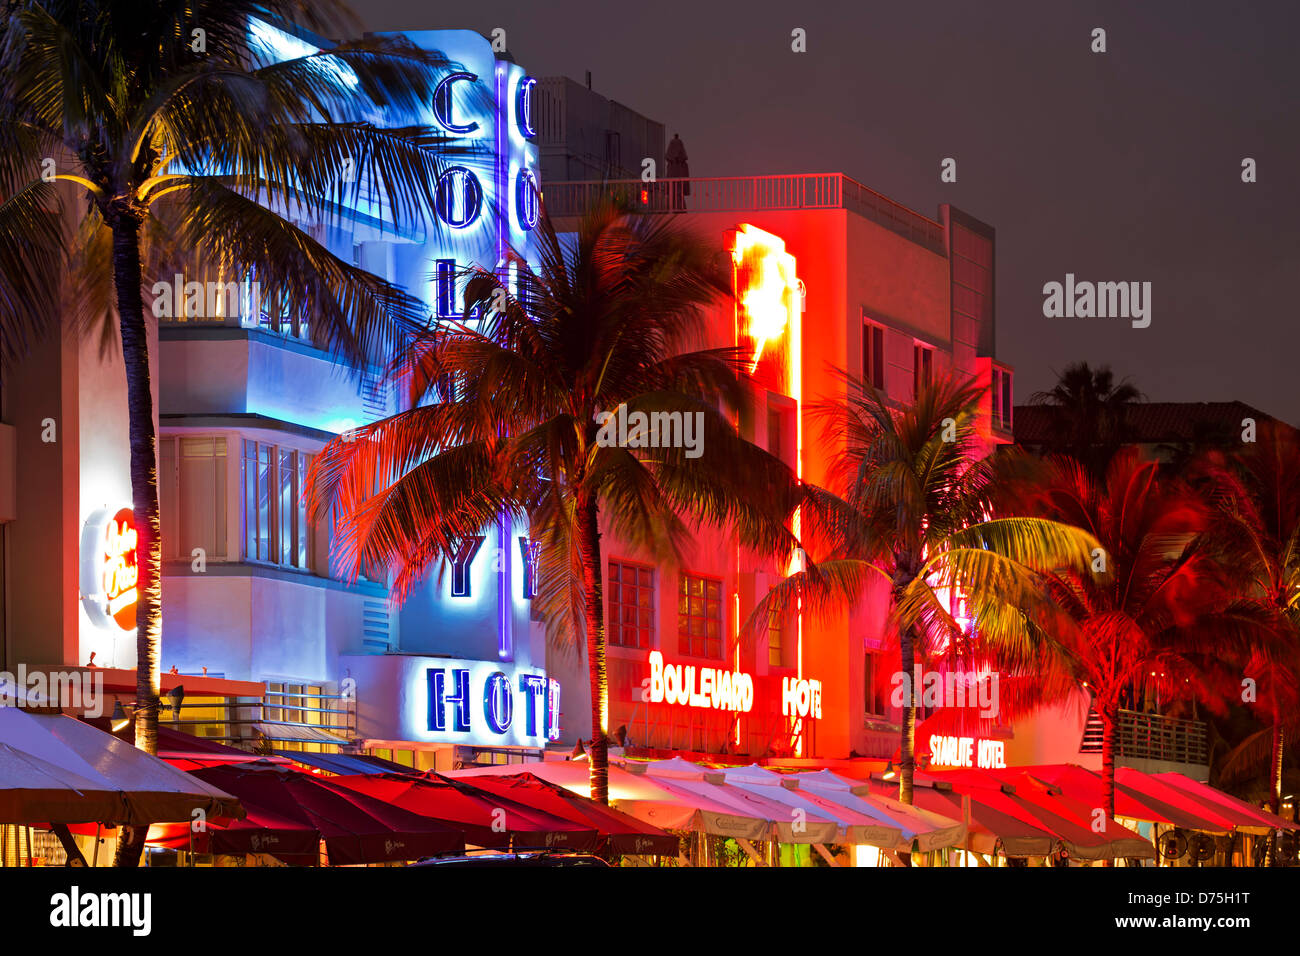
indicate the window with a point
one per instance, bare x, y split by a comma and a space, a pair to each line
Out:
192, 496
276, 529
922, 368
776, 640
873, 693
780, 433
1000, 399
631, 605
699, 616
873, 353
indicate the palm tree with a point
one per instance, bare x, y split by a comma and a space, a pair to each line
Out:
1088, 414
189, 142
1153, 611
913, 509
502, 419
1256, 531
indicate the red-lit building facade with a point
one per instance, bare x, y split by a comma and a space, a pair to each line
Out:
829, 274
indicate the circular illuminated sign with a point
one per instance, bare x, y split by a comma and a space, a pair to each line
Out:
527, 203
109, 572
442, 103
460, 197
524, 106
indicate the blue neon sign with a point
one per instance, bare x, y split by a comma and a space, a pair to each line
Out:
535, 696
443, 105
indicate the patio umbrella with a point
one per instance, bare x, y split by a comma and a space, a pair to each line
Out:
648, 799
854, 826
57, 770
620, 832
1162, 806
484, 820
920, 829
784, 825
1250, 819
995, 819
356, 828
1047, 806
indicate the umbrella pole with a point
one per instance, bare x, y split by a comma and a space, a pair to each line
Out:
99, 827
70, 847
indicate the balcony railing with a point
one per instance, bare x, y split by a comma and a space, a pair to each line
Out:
1151, 737
750, 193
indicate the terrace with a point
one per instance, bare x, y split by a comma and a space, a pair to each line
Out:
749, 193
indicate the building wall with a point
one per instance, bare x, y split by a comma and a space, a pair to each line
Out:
583, 135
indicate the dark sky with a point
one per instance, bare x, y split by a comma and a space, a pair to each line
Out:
1117, 166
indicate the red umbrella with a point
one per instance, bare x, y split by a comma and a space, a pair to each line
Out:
620, 832
486, 820
356, 828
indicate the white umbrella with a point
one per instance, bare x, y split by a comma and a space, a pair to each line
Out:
55, 769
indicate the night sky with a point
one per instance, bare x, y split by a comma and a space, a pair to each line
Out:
1122, 166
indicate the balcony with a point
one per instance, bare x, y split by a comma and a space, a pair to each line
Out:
750, 193
1151, 737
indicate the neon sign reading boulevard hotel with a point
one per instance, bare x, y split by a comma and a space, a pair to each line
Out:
718, 689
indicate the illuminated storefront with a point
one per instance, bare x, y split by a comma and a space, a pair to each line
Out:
248, 587
845, 279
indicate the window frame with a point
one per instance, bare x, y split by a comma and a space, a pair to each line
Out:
302, 531
171, 490
873, 357
685, 639
922, 366
612, 622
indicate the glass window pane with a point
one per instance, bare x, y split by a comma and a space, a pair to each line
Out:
265, 501
167, 504
250, 499
304, 526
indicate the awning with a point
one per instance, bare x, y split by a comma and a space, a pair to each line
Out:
1148, 804
1231, 812
485, 819
298, 733
344, 763
56, 769
620, 832
784, 824
356, 828
921, 829
995, 819
854, 826
1047, 806
648, 799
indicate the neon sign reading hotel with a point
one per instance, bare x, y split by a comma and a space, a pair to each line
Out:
946, 751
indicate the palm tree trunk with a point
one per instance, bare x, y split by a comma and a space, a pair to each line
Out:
588, 527
907, 745
1275, 770
1108, 761
144, 492
1108, 726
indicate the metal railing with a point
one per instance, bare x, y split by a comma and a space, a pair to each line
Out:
750, 193
277, 717
1151, 737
